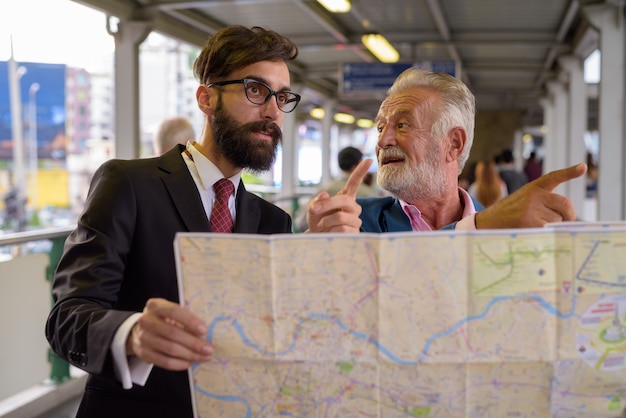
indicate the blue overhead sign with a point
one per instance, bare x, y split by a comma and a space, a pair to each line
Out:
377, 77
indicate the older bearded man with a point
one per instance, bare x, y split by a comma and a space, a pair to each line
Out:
426, 128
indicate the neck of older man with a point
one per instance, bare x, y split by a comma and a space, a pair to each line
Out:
442, 210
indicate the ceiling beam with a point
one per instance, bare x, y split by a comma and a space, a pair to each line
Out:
444, 32
568, 19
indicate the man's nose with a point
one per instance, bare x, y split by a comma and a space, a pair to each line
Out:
386, 137
270, 109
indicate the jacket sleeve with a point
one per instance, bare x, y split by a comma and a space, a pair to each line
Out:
82, 322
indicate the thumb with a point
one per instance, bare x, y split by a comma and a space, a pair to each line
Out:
552, 179
313, 204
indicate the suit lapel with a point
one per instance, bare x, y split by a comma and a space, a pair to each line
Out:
396, 219
183, 190
184, 194
248, 212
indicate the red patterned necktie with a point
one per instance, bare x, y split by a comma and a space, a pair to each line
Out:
221, 221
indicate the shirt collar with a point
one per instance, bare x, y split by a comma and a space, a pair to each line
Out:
468, 203
207, 171
419, 224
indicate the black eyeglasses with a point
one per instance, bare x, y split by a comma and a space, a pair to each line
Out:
260, 93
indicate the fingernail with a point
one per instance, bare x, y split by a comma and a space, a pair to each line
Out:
202, 329
316, 208
207, 349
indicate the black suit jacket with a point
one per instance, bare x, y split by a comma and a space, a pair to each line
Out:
120, 255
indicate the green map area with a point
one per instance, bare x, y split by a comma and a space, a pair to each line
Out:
524, 323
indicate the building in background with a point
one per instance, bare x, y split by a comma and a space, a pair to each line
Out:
167, 86
69, 113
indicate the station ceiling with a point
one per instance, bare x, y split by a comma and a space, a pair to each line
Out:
506, 49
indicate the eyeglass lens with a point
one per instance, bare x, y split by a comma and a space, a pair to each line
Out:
258, 93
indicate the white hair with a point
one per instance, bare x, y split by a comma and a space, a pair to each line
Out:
459, 104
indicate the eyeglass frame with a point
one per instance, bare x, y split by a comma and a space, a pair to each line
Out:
273, 92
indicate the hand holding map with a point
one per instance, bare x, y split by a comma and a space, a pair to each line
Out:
168, 336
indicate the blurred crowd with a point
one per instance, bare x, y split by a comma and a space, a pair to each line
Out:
488, 181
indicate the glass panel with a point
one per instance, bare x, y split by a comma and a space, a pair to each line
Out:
47, 99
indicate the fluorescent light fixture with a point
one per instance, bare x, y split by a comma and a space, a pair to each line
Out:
317, 113
380, 47
365, 123
336, 6
344, 118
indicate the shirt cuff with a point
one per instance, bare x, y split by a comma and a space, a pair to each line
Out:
466, 224
128, 370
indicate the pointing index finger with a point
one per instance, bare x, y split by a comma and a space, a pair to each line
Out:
551, 180
356, 178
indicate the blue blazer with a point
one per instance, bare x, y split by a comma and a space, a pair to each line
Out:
385, 214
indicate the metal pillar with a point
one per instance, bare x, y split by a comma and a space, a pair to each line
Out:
327, 134
558, 130
577, 125
129, 36
608, 19
290, 152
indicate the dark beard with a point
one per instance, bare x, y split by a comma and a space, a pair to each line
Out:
235, 143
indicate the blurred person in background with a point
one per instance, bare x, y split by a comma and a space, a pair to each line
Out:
533, 167
172, 131
513, 177
348, 158
487, 187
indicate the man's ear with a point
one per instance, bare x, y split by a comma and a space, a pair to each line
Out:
458, 138
203, 97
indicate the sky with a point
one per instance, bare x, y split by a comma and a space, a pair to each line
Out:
55, 32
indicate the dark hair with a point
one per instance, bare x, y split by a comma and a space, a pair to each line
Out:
349, 157
235, 47
507, 156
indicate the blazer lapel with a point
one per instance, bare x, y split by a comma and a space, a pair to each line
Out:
396, 219
248, 212
183, 190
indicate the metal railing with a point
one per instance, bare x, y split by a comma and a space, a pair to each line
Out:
16, 238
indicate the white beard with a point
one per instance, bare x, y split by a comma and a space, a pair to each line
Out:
426, 180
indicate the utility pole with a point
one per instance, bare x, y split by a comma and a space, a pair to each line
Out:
15, 73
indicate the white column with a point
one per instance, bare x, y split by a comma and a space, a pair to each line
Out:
327, 134
129, 36
577, 125
288, 175
291, 136
558, 129
548, 141
609, 21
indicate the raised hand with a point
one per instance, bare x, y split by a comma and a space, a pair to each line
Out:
168, 336
339, 213
533, 205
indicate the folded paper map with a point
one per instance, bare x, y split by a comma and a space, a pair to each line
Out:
512, 323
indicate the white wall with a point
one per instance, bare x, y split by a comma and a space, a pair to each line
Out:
24, 305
